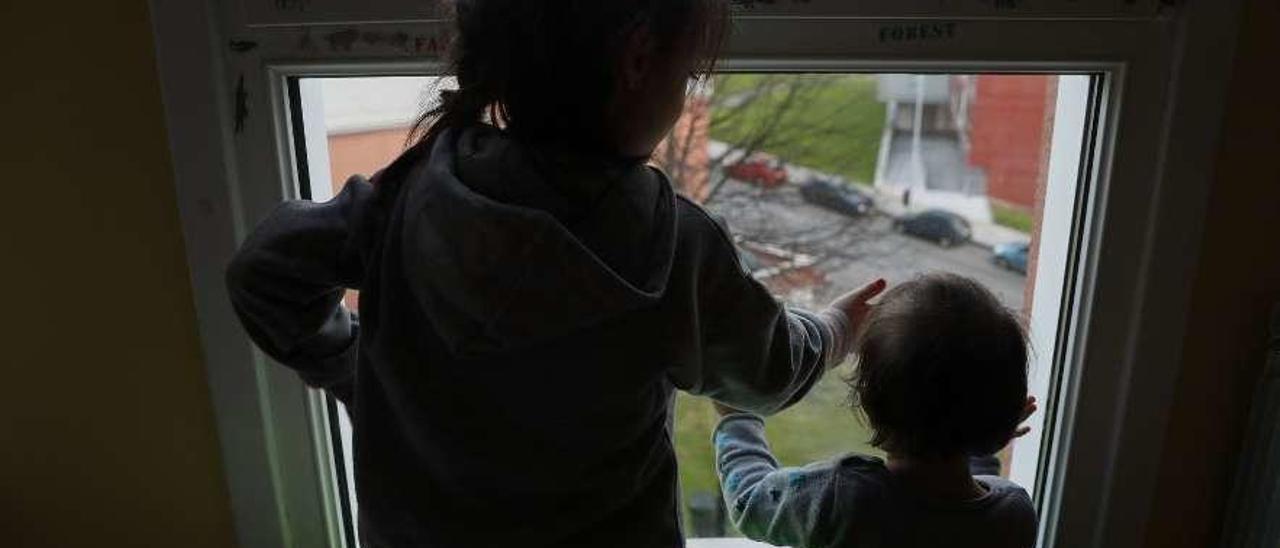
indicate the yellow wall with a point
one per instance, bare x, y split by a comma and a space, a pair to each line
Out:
1237, 282
107, 435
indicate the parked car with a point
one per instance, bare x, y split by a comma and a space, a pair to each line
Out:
944, 227
836, 197
760, 170
1012, 256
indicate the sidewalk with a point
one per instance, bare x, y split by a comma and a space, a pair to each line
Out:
986, 235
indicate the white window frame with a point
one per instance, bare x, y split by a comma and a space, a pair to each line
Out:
223, 83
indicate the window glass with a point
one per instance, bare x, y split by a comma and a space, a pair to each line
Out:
826, 182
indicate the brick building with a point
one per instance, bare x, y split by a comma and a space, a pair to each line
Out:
966, 142
1008, 132
685, 154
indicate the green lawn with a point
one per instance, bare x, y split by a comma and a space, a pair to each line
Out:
1012, 218
817, 428
832, 123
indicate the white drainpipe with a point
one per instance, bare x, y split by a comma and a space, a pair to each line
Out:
916, 161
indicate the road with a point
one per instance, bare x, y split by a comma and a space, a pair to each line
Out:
853, 251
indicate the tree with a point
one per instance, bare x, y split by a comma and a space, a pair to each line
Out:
791, 117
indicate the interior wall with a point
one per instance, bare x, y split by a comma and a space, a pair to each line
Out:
107, 433
1237, 283
106, 427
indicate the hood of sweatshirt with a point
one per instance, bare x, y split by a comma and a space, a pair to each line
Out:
506, 245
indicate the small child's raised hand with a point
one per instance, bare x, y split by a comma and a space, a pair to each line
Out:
846, 314
855, 305
1027, 410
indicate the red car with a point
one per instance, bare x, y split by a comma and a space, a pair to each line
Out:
759, 170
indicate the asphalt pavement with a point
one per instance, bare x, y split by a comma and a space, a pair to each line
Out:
852, 251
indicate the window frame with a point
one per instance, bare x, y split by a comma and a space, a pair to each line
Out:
234, 160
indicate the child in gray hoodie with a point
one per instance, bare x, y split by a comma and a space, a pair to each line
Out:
532, 294
942, 380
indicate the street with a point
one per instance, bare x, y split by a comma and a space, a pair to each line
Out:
853, 251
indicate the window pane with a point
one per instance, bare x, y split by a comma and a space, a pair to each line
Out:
829, 181
826, 181
354, 126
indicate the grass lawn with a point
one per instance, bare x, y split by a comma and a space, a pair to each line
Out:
1012, 218
834, 123
819, 427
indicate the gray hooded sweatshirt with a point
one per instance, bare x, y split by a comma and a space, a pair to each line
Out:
525, 318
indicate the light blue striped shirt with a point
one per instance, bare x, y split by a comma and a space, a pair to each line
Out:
853, 501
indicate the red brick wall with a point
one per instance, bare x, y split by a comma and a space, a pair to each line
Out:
683, 155
1041, 185
1008, 134
363, 153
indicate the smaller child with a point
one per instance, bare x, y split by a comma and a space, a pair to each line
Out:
941, 379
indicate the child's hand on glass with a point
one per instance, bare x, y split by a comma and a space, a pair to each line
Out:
854, 304
1027, 410
846, 314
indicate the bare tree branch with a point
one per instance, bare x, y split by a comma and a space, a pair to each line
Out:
770, 115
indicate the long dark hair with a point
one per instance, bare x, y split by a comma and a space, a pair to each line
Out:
546, 69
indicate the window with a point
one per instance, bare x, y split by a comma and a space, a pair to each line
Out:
826, 180
1131, 123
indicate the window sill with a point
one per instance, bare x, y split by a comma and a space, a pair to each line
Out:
723, 543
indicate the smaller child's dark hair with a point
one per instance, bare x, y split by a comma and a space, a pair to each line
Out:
942, 369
